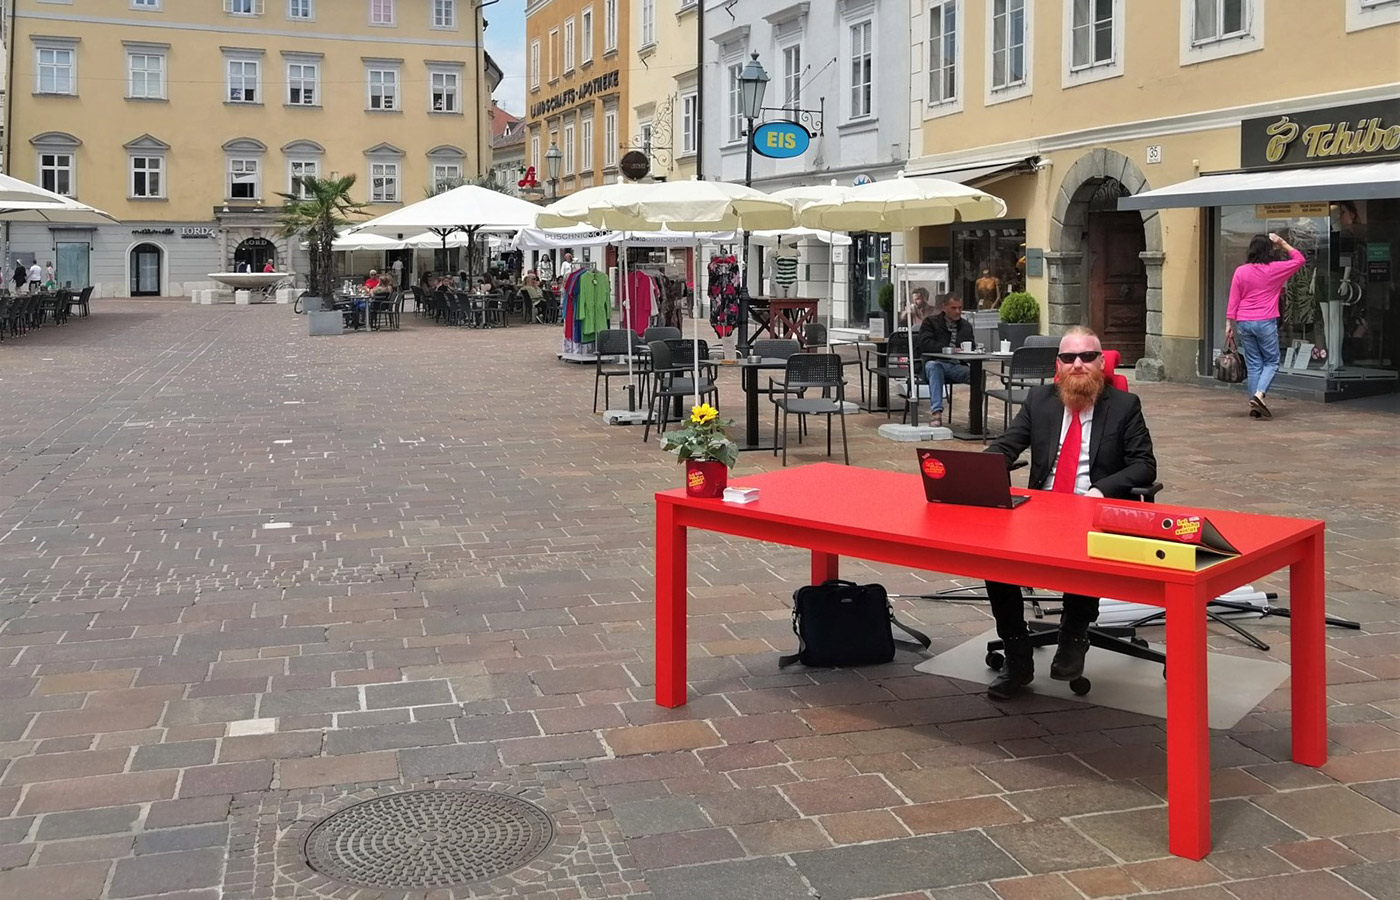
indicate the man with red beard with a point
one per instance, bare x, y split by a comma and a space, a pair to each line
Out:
1085, 438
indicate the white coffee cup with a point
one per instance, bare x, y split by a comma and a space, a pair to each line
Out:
965, 346
1005, 346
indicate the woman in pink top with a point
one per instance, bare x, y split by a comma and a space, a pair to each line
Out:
1253, 312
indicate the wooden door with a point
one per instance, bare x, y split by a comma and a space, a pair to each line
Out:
1118, 283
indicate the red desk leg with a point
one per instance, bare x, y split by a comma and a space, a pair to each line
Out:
1188, 745
670, 608
1308, 651
824, 566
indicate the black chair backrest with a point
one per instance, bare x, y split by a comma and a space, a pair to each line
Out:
897, 349
813, 370
661, 333
1041, 340
780, 348
660, 357
612, 342
1032, 364
682, 353
814, 334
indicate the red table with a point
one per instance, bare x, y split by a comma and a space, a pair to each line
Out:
883, 516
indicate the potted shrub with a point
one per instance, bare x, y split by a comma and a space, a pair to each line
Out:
1020, 318
706, 450
886, 301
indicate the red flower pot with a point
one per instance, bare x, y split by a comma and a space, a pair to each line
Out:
705, 478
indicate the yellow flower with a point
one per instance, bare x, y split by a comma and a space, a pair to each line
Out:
703, 413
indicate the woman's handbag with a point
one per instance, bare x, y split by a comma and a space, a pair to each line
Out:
1229, 365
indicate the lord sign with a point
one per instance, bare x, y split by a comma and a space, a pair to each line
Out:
781, 140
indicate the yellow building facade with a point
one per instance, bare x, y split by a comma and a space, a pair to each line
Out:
1077, 114
186, 118
665, 91
576, 91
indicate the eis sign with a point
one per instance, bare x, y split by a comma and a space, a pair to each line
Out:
781, 140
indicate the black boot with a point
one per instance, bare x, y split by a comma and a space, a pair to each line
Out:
1068, 663
1016, 672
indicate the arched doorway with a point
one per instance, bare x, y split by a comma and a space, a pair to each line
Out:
145, 270
253, 254
1104, 266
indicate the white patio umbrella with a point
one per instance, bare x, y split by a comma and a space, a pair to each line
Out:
898, 205
467, 209
19, 197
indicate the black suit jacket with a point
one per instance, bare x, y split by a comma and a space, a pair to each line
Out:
937, 332
1120, 447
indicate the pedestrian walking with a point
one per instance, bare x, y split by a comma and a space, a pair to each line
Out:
1252, 312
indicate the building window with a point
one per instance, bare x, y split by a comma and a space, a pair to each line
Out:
147, 176
570, 149
444, 13
56, 173
792, 77
736, 112
243, 81
298, 169
1091, 33
586, 35
381, 12
610, 139
943, 52
556, 63
146, 76
300, 9
384, 182
145, 4
648, 23
689, 108
568, 45
446, 176
1362, 14
535, 65
862, 73
585, 134
609, 25
243, 7
1218, 20
444, 87
55, 70
301, 84
383, 89
1008, 43
645, 134
535, 152
243, 179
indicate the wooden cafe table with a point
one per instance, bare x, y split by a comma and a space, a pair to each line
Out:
883, 516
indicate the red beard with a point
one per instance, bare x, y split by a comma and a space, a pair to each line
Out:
1080, 390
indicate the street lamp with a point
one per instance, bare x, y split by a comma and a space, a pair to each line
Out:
551, 163
753, 81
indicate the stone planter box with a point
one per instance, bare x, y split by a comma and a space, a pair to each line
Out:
1017, 332
324, 323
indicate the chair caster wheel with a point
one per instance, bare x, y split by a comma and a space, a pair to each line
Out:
995, 660
1080, 686
1138, 642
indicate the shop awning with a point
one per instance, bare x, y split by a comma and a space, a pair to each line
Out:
1364, 181
977, 174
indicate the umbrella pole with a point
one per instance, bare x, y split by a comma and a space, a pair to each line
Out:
695, 326
625, 289
913, 377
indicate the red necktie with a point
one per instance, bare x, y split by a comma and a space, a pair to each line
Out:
1067, 468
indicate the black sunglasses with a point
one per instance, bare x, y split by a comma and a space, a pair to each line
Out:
1086, 356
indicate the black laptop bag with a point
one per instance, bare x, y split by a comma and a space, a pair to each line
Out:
841, 623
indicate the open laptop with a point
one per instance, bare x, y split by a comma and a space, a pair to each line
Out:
967, 479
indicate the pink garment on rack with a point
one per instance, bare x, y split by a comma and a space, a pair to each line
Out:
641, 294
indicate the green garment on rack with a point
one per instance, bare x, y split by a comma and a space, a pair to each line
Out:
594, 304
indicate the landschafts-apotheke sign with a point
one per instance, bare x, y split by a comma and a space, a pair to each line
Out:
608, 81
1363, 133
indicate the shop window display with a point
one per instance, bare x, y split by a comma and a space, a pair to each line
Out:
1337, 316
989, 262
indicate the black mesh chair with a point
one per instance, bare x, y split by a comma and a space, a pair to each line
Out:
661, 333
1027, 368
610, 346
813, 335
673, 378
890, 363
779, 348
810, 372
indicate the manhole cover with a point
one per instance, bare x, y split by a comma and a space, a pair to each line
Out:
427, 839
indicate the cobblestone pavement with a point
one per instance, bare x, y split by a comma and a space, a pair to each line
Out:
246, 575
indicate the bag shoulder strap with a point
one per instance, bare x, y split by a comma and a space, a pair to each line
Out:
917, 635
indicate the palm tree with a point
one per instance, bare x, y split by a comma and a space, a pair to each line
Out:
318, 211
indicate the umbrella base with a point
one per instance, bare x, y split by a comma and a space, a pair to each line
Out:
911, 433
626, 416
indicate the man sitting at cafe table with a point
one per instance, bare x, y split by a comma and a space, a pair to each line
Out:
946, 328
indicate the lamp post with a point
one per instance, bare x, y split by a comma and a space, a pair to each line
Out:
753, 81
551, 164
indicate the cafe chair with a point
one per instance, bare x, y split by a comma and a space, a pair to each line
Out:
661, 333
1027, 368
775, 348
611, 349
813, 335
673, 380
887, 362
810, 372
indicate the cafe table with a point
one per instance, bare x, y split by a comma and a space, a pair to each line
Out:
749, 369
976, 428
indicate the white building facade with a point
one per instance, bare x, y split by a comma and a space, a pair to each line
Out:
846, 64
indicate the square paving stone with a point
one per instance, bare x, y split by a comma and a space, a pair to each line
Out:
1048, 846
1386, 793
747, 879
1302, 886
1142, 833
916, 864
448, 760
414, 693
1329, 811
1380, 880
389, 737
660, 816
167, 873
57, 826
317, 700
166, 840
173, 756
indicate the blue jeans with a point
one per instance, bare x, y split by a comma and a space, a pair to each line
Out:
1259, 343
940, 373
